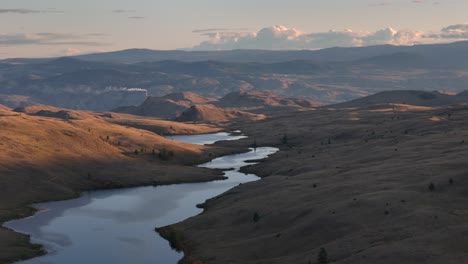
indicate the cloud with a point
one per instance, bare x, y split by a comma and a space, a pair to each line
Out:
281, 37
457, 31
24, 11
98, 34
123, 11
209, 30
380, 4
19, 11
70, 52
425, 2
47, 38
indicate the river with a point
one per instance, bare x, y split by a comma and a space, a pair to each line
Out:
117, 226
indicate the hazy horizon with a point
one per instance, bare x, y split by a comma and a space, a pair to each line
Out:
52, 28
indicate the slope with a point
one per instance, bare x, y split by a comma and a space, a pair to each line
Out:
369, 186
52, 154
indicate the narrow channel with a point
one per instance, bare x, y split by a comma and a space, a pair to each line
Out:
117, 226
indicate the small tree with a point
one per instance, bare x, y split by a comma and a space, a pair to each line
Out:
164, 154
136, 151
322, 256
431, 187
254, 145
256, 217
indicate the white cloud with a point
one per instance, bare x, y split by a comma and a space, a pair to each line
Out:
70, 52
280, 37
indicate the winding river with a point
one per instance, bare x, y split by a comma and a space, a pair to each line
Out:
117, 226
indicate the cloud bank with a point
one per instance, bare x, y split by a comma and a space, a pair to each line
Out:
458, 31
283, 38
47, 38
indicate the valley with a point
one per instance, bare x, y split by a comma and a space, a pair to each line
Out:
371, 142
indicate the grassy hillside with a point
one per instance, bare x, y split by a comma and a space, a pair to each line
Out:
409, 97
211, 113
378, 185
53, 154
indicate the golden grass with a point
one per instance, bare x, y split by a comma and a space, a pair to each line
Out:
52, 158
211, 113
162, 126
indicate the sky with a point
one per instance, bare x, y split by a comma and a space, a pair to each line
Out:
46, 28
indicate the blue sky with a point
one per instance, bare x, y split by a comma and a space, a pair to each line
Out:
34, 28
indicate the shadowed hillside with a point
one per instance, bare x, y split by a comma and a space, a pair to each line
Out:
416, 98
262, 99
382, 184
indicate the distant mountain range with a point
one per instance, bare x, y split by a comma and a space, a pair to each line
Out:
451, 54
105, 81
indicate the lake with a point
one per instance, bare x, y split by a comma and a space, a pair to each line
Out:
117, 226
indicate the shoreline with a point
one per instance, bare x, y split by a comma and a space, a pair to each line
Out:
176, 237
42, 250
368, 186
192, 174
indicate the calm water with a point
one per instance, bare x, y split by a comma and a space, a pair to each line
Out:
207, 138
117, 226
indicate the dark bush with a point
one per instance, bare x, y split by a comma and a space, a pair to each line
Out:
431, 187
322, 256
256, 217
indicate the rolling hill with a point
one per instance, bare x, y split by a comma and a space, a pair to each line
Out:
106, 81
192, 107
211, 113
51, 153
385, 185
416, 98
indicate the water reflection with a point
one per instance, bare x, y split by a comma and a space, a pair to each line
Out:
116, 226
